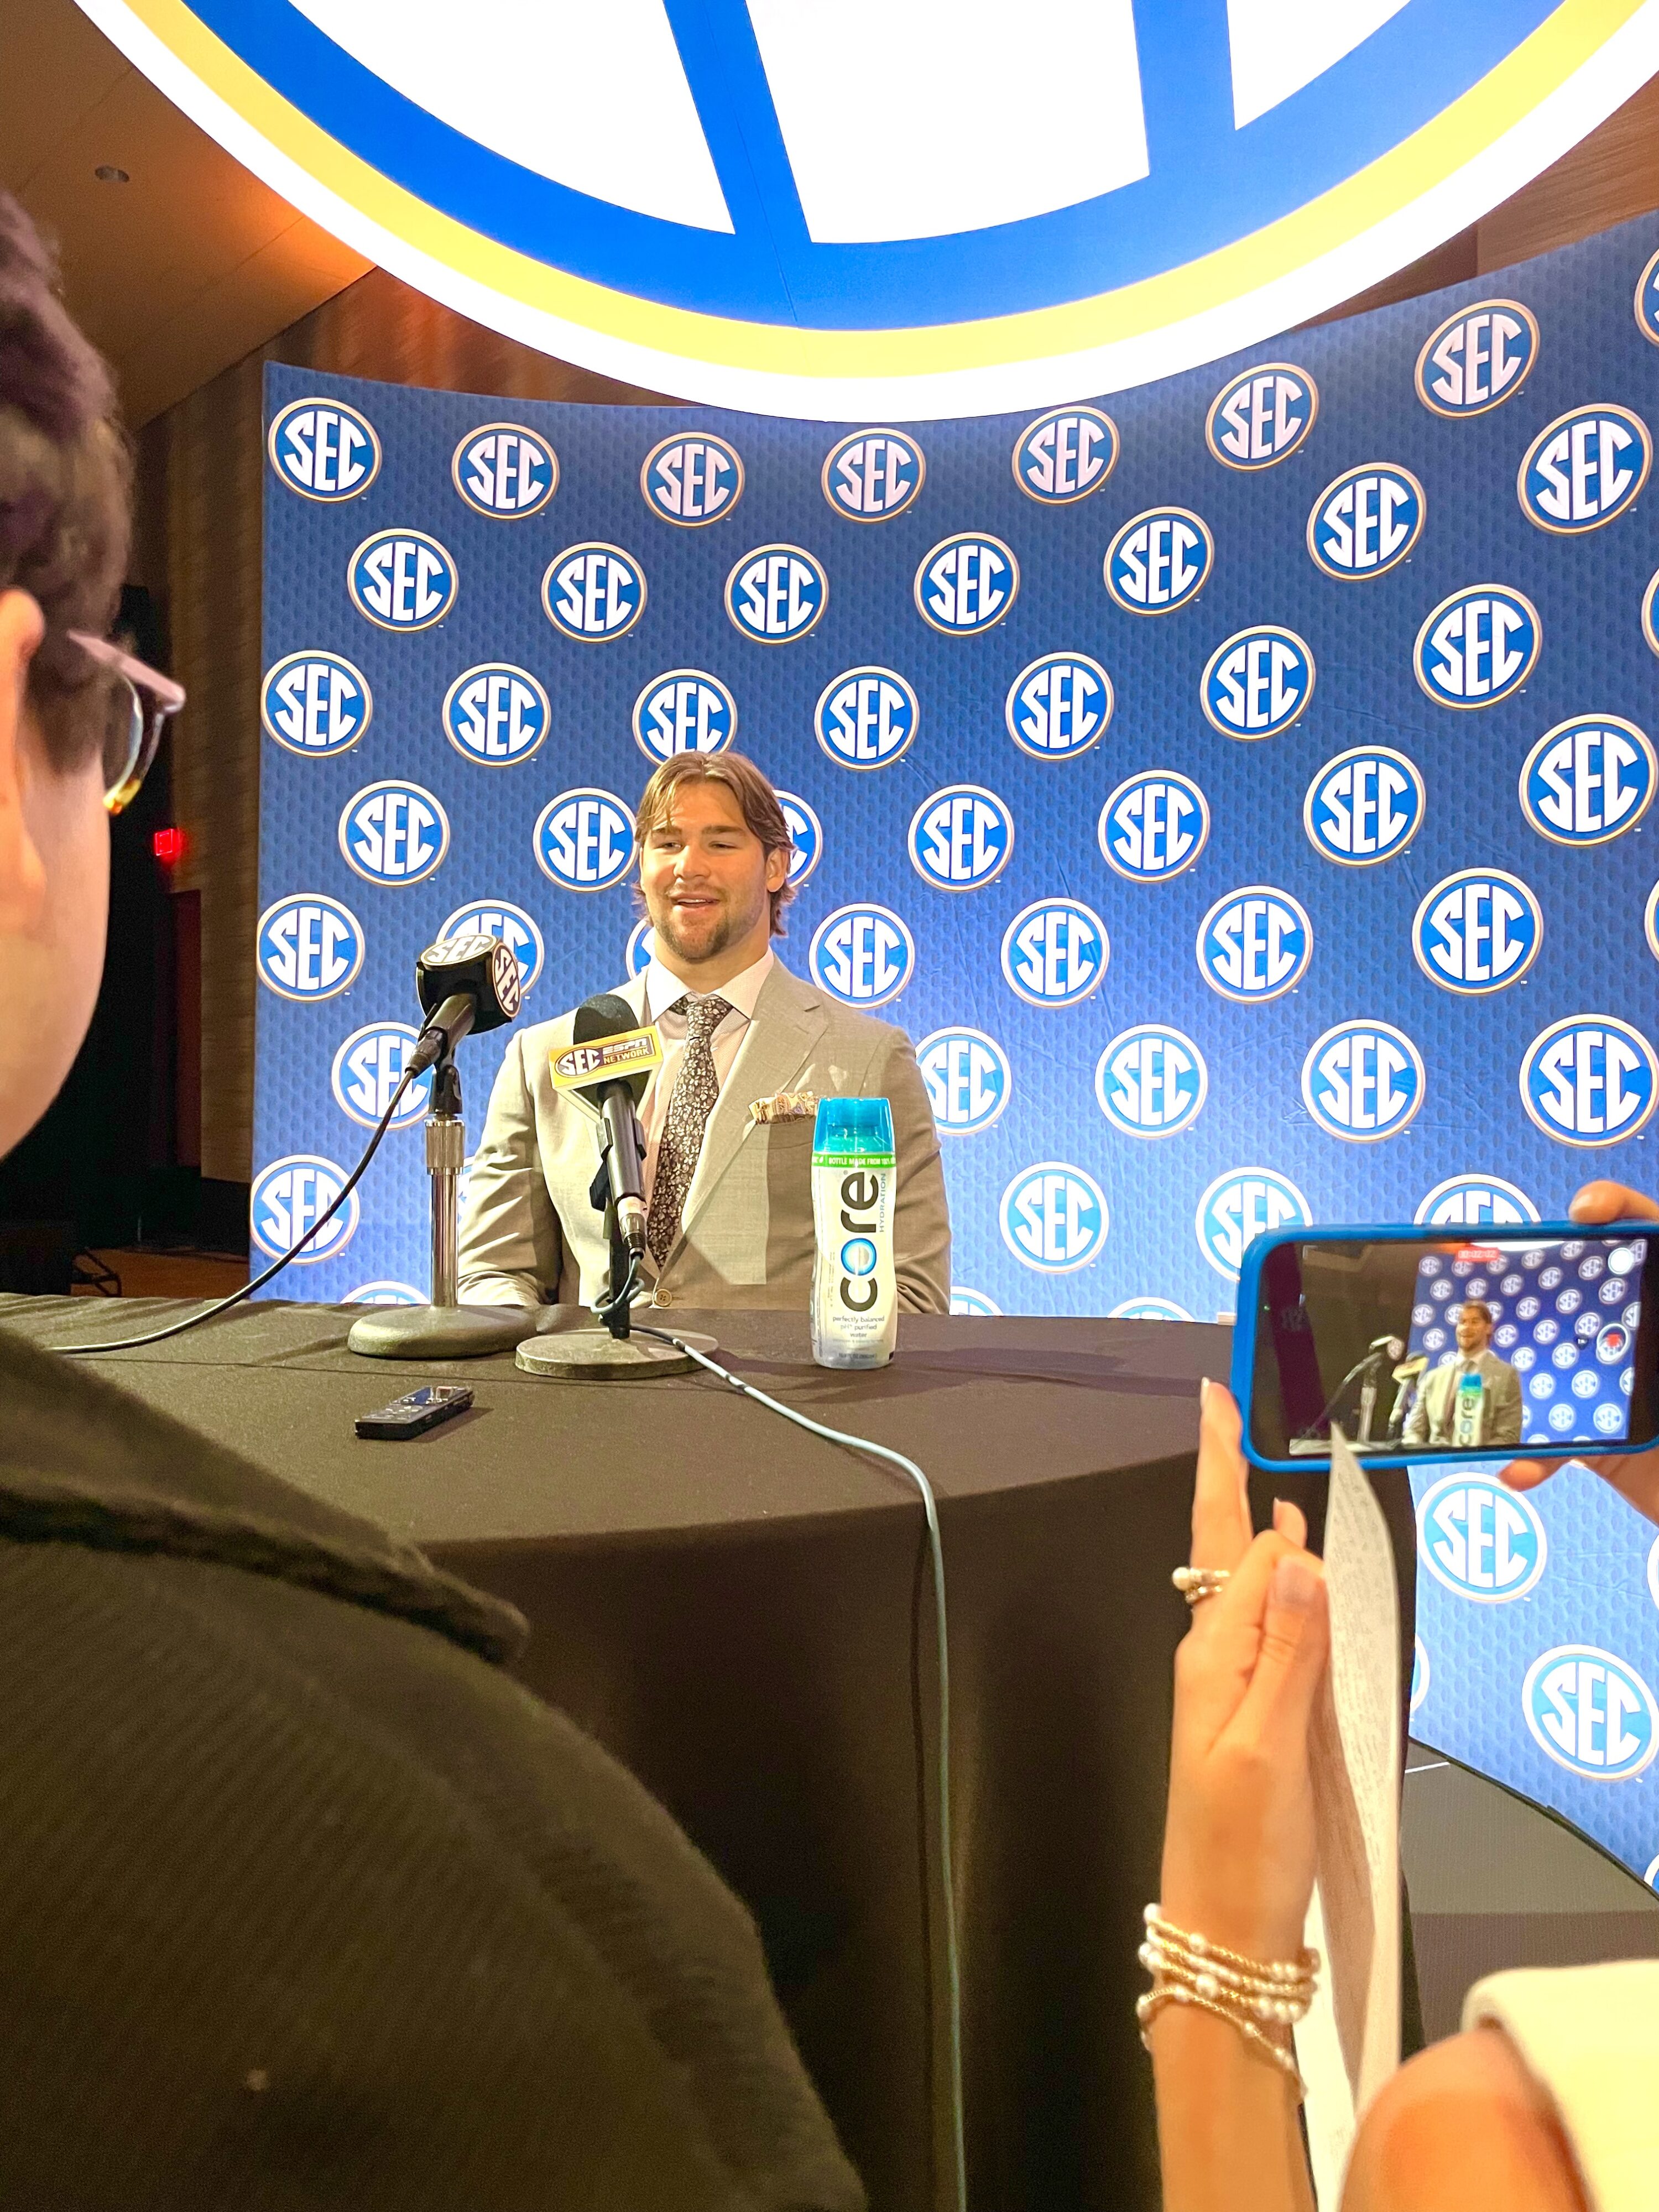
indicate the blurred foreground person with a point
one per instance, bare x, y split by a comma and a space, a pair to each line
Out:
302, 1903
1543, 2104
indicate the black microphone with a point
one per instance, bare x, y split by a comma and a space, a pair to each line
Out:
616, 1099
466, 985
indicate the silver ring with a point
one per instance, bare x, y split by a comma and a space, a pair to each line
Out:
1196, 1584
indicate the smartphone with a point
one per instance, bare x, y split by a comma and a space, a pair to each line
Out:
412, 1414
1425, 1344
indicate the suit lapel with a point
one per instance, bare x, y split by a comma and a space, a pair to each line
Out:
789, 1020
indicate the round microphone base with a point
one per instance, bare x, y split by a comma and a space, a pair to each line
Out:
593, 1355
435, 1332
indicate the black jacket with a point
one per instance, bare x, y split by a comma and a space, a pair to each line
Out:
302, 1904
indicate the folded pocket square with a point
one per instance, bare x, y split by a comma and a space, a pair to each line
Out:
785, 1106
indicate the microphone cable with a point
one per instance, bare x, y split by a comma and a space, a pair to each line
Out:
947, 1882
223, 1305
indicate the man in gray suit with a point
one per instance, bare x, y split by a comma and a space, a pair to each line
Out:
1431, 1418
749, 1049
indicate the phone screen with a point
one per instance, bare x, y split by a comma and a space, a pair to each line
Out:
1433, 1345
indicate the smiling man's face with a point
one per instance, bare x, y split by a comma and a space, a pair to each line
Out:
708, 879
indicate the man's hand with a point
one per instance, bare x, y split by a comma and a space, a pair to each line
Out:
1634, 1476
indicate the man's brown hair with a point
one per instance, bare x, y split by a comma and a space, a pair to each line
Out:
64, 481
748, 785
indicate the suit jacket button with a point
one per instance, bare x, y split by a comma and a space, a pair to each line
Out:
660, 1297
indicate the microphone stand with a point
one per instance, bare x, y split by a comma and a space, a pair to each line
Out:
445, 1329
1367, 1367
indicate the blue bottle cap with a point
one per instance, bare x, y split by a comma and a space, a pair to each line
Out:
855, 1129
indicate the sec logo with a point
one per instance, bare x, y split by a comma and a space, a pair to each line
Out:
1475, 1202
1058, 706
290, 1197
368, 1068
1153, 826
1363, 1081
691, 481
1589, 1080
1587, 780
1240, 1205
1478, 646
307, 946
1064, 455
517, 930
584, 840
967, 584
968, 1080
1422, 1672
962, 838
686, 710
1478, 931
505, 471
862, 954
873, 474
1257, 683
1255, 945
402, 579
1478, 358
1366, 521
964, 1301
867, 717
807, 832
1583, 469
1479, 1540
1590, 1711
1150, 1081
1363, 806
777, 594
386, 1292
1054, 952
496, 714
1262, 416
315, 703
324, 449
641, 947
593, 593
1149, 1310
1160, 561
394, 833
1651, 921
1053, 1218
1650, 613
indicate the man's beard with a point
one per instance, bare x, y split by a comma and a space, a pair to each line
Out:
729, 926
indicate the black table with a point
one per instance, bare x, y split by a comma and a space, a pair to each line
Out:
743, 1614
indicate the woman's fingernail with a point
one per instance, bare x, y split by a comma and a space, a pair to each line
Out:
1203, 1391
1579, 1210
1282, 1510
1293, 1584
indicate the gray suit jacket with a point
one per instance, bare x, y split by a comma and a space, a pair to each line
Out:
1431, 1419
530, 1236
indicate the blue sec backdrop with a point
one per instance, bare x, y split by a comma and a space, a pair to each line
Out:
1240, 790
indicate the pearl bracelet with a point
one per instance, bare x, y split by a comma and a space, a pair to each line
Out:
1259, 1997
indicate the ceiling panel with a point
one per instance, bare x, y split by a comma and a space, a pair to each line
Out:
183, 270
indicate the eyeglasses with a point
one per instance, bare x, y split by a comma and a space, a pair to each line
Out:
139, 702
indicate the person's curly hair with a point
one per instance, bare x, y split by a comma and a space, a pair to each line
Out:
65, 485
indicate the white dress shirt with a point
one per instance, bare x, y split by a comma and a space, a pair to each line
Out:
663, 989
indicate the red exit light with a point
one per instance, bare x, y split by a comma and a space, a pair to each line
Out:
168, 847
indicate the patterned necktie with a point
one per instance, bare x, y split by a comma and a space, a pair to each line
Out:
696, 1087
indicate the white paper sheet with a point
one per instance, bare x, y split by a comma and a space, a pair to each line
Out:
1349, 2043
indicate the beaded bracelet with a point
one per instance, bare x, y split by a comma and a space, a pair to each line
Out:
1256, 1996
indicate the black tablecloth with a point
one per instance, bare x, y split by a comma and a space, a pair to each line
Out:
742, 1614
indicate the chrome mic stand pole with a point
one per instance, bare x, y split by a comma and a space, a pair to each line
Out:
445, 1329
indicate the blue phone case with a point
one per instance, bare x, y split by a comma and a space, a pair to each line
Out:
1244, 1335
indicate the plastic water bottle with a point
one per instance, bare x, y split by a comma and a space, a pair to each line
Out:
855, 1295
1468, 1414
